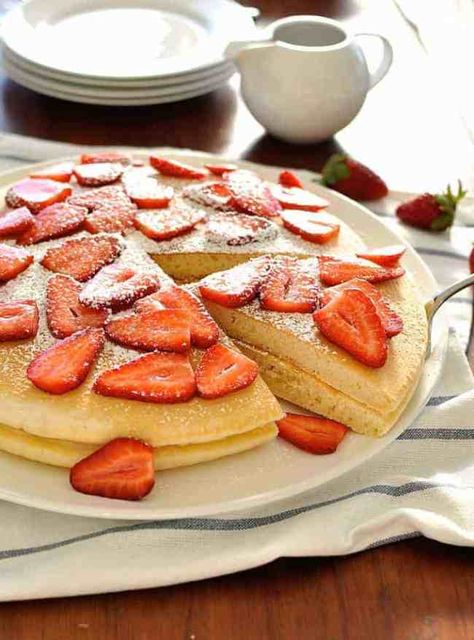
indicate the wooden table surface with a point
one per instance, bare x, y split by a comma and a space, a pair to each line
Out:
412, 131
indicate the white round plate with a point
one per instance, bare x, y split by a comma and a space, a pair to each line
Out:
91, 96
125, 39
266, 474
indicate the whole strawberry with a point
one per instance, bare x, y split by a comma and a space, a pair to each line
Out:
471, 261
431, 211
353, 179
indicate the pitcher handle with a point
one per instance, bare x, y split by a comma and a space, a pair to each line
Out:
386, 61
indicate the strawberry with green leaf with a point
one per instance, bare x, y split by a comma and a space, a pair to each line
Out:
353, 179
432, 211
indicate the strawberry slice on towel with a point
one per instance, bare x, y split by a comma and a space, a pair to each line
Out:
162, 378
334, 270
351, 322
169, 223
386, 256
122, 469
64, 366
98, 174
250, 194
289, 179
176, 169
36, 194
64, 313
235, 287
14, 223
59, 172
152, 330
55, 221
13, 260
222, 370
391, 321
117, 287
204, 331
18, 320
297, 198
290, 286
313, 434
314, 227
81, 258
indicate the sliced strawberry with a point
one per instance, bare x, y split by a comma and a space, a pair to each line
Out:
155, 329
296, 198
64, 313
235, 287
13, 260
250, 194
351, 321
117, 287
290, 287
169, 223
64, 366
98, 174
386, 256
105, 156
204, 331
222, 370
314, 227
112, 219
314, 434
59, 172
18, 320
391, 321
220, 169
91, 199
147, 193
210, 194
289, 179
81, 258
122, 469
55, 221
36, 194
164, 378
334, 270
14, 223
176, 169
238, 229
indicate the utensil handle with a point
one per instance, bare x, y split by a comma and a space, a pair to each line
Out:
440, 298
385, 63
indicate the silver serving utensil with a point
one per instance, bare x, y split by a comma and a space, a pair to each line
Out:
439, 299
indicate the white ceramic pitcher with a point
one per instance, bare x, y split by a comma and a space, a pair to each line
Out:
307, 78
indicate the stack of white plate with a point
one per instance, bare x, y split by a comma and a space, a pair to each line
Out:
123, 52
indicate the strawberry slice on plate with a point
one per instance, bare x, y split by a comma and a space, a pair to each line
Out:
117, 287
250, 194
59, 172
289, 179
105, 156
204, 331
290, 286
14, 223
122, 469
210, 194
155, 329
98, 174
55, 221
18, 320
314, 227
169, 223
351, 322
163, 378
64, 313
64, 366
297, 198
147, 193
391, 321
386, 256
222, 370
91, 199
119, 218
36, 194
176, 169
334, 270
13, 260
235, 287
238, 229
220, 169
81, 258
313, 434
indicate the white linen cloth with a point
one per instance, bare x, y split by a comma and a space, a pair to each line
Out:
421, 484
